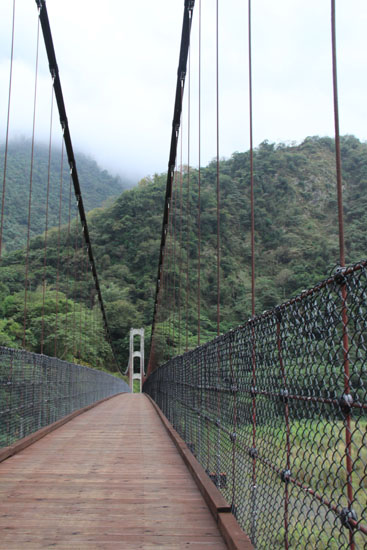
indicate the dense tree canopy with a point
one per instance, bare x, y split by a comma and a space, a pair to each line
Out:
96, 184
296, 239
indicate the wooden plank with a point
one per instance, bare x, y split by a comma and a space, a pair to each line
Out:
213, 497
110, 478
232, 533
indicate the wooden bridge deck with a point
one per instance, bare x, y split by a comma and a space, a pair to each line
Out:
110, 478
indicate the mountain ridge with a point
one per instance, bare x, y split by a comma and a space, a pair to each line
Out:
97, 187
296, 238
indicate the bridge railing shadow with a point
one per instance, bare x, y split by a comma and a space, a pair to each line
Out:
276, 412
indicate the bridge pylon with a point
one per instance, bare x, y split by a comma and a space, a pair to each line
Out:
138, 353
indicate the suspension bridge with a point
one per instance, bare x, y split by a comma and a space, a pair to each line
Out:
254, 438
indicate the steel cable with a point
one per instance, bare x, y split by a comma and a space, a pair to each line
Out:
58, 247
7, 128
26, 282
344, 311
199, 186
44, 284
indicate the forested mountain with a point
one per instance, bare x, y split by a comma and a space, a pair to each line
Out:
296, 238
96, 184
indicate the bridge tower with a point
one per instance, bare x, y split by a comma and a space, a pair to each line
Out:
139, 353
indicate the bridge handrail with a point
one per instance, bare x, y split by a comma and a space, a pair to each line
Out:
37, 390
276, 412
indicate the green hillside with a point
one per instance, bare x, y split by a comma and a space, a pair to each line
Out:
97, 186
296, 237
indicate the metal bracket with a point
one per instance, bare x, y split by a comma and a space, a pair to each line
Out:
346, 402
278, 314
283, 395
253, 452
285, 475
346, 515
339, 277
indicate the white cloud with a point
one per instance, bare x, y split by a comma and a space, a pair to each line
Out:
118, 63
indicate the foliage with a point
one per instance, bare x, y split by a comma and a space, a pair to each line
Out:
96, 184
75, 334
296, 238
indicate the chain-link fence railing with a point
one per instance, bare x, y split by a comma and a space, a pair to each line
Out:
276, 412
36, 390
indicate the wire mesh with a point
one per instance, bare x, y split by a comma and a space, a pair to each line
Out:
276, 413
36, 390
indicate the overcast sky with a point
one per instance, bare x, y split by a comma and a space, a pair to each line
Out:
118, 61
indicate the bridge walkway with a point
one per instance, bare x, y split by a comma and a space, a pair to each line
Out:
110, 478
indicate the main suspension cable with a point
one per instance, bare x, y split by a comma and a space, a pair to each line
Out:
181, 74
45, 24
